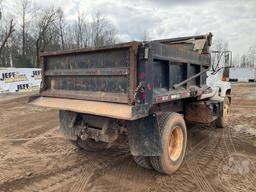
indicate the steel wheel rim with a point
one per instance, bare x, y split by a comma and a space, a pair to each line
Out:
175, 144
226, 110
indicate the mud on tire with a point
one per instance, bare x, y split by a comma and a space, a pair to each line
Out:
174, 141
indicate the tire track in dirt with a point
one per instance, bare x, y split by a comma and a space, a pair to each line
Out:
24, 150
209, 160
188, 170
226, 136
33, 155
54, 182
115, 170
19, 121
202, 183
49, 180
229, 144
40, 136
76, 178
122, 176
8, 179
204, 166
27, 139
3, 116
192, 163
96, 168
202, 161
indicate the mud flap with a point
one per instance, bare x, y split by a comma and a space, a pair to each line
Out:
144, 136
203, 112
67, 121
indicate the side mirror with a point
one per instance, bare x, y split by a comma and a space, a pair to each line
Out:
221, 59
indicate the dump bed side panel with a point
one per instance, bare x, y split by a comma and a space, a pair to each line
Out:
171, 70
103, 74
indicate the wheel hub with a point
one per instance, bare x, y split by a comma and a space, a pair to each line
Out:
226, 111
175, 144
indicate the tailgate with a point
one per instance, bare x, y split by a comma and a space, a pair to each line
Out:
100, 74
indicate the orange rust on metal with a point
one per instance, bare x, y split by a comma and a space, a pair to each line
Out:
198, 112
89, 72
42, 63
52, 84
113, 110
132, 78
102, 48
130, 72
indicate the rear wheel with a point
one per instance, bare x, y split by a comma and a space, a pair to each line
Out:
90, 145
222, 121
174, 141
143, 161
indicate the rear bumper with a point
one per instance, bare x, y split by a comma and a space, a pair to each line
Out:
113, 110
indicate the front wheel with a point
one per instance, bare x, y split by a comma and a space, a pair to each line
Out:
222, 121
174, 141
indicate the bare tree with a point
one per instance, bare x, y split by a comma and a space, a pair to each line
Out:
219, 53
248, 59
70, 37
1, 9
102, 33
220, 45
8, 34
244, 61
252, 56
45, 34
24, 4
145, 35
80, 30
93, 34
236, 60
61, 27
25, 12
47, 30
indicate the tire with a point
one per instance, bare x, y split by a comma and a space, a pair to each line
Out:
90, 145
174, 142
222, 121
143, 161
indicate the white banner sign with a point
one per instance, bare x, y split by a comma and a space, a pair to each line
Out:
19, 79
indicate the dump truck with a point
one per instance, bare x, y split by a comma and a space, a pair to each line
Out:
138, 94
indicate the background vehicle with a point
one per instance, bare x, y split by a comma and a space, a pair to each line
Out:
138, 92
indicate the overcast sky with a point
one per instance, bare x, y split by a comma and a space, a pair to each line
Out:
231, 20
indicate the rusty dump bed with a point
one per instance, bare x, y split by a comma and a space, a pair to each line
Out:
102, 74
137, 75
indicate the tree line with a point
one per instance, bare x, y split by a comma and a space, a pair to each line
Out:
31, 30
220, 49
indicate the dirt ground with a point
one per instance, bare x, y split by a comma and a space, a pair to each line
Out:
34, 156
